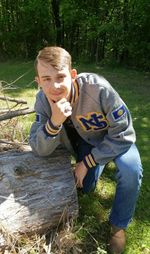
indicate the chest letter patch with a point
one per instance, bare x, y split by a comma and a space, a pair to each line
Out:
93, 121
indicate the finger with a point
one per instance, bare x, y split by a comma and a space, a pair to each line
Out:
76, 178
67, 108
69, 113
66, 104
63, 100
80, 183
76, 181
78, 186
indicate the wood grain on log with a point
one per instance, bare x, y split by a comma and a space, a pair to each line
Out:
35, 192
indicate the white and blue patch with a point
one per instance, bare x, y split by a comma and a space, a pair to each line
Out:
38, 118
119, 112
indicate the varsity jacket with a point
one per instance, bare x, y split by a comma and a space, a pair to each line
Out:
99, 116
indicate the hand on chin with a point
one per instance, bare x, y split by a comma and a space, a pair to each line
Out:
58, 98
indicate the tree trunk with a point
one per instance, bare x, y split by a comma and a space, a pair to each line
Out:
36, 193
55, 8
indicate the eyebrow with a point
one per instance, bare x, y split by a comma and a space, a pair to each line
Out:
62, 74
59, 74
46, 76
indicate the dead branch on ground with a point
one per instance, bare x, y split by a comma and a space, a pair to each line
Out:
11, 126
18, 101
15, 113
8, 113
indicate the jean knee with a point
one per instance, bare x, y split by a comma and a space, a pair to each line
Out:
129, 172
134, 176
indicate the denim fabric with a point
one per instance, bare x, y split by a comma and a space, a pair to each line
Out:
128, 177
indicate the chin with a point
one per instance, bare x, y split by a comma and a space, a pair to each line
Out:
56, 99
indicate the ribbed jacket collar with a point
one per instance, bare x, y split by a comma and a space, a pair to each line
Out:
74, 92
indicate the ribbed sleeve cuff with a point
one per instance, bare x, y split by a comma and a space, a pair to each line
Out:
89, 161
51, 130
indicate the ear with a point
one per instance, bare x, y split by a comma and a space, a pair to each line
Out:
37, 80
73, 73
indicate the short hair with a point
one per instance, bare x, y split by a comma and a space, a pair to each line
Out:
56, 56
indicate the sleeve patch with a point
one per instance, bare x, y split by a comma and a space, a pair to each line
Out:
119, 112
38, 118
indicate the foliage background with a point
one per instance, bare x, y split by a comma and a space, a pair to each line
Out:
106, 31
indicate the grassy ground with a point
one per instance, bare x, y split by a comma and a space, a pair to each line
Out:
91, 230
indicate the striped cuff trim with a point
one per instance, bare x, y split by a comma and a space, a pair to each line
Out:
50, 130
53, 127
89, 161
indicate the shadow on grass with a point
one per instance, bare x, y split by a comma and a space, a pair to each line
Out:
93, 215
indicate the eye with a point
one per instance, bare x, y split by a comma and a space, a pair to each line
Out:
61, 77
47, 79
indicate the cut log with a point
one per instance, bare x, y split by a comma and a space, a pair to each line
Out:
36, 193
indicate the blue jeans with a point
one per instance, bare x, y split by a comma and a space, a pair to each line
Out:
128, 177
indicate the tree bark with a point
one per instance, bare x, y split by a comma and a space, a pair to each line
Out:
18, 101
55, 8
36, 193
16, 113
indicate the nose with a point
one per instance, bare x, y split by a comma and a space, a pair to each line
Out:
56, 85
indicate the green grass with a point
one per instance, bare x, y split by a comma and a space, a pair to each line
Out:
18, 82
91, 228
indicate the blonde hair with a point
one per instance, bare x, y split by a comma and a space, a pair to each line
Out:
55, 56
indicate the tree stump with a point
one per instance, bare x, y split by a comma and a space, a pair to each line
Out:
36, 193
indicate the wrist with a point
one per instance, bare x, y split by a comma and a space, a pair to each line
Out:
50, 129
55, 123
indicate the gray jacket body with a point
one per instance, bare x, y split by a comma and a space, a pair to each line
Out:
99, 116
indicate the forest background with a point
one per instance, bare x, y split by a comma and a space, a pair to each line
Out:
106, 31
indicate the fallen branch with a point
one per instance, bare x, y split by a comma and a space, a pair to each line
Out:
6, 142
10, 110
16, 113
18, 101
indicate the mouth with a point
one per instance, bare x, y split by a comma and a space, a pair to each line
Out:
58, 92
56, 96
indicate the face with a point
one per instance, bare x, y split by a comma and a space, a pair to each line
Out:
55, 84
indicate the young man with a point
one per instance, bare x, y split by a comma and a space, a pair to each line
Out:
88, 116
